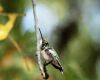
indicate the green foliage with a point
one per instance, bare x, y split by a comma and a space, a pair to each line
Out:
78, 56
28, 42
13, 73
3, 19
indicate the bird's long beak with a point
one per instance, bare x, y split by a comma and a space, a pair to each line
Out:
41, 34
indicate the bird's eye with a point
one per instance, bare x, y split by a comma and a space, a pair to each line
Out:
47, 43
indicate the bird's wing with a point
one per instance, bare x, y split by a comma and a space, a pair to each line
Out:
54, 53
56, 63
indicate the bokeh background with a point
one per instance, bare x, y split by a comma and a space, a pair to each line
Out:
72, 27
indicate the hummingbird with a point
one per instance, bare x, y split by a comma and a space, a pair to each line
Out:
49, 55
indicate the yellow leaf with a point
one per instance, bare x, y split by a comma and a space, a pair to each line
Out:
5, 29
1, 9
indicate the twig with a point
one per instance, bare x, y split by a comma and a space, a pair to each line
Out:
18, 49
37, 39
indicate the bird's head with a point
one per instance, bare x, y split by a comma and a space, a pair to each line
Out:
44, 44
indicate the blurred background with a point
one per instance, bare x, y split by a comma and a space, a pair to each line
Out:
72, 27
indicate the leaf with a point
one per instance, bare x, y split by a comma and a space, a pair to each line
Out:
5, 29
1, 9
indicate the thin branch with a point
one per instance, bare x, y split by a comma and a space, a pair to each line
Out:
37, 39
18, 49
15, 44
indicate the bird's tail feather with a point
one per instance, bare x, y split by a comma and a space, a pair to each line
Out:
58, 66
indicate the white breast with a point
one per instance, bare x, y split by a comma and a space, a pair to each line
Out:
45, 56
